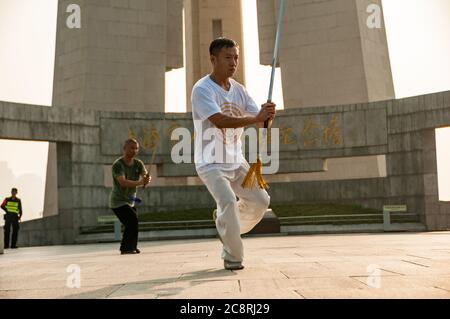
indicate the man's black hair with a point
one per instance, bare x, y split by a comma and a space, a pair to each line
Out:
14, 190
130, 141
220, 43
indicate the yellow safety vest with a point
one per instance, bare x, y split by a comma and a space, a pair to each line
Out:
12, 207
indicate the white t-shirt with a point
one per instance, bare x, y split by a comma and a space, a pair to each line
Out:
216, 148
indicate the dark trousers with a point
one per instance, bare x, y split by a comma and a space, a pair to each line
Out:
128, 217
11, 220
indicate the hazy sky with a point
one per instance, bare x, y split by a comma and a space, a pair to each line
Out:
418, 33
27, 50
418, 39
17, 170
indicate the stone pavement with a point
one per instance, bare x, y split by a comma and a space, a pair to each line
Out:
394, 265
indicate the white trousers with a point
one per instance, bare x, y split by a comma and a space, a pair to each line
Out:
235, 216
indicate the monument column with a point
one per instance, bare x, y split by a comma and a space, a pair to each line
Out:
207, 20
113, 54
437, 213
332, 52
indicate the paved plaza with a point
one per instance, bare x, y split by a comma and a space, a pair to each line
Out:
392, 265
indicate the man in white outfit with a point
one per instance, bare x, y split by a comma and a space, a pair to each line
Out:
221, 108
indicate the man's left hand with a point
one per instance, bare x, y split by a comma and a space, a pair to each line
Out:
273, 111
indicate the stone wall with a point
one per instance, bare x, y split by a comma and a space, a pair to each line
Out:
87, 141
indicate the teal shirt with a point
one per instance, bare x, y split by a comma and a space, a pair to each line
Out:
121, 196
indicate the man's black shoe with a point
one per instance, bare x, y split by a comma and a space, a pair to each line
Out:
128, 252
232, 265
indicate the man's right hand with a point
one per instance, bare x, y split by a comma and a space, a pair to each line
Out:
267, 112
146, 179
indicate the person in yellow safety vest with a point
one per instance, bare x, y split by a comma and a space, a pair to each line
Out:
13, 208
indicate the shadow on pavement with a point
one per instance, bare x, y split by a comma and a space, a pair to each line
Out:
155, 286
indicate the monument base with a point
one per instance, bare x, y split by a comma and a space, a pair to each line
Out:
270, 224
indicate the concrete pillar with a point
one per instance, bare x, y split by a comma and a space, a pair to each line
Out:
207, 20
117, 59
51, 183
329, 55
437, 213
67, 195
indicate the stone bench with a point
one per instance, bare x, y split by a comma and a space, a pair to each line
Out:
111, 219
387, 210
